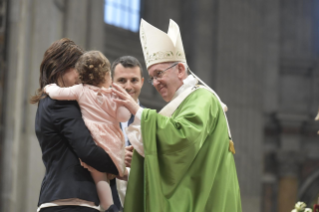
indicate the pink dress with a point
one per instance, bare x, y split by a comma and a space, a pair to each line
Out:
100, 114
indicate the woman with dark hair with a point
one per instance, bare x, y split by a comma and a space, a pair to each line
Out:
64, 138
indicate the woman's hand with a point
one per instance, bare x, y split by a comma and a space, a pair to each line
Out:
125, 176
124, 99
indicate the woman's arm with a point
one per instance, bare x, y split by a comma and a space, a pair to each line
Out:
68, 121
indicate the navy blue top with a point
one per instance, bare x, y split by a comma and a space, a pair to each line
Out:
64, 139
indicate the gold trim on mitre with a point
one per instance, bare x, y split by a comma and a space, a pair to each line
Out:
159, 47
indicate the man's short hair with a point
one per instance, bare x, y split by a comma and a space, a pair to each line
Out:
127, 62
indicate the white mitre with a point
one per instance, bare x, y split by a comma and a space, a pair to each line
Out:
159, 47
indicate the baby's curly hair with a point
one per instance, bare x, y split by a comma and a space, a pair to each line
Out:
92, 67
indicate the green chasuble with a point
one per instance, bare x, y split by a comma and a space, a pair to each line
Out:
187, 166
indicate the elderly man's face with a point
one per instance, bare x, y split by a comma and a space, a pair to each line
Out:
168, 82
130, 79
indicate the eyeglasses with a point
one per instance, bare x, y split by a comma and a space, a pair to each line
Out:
159, 74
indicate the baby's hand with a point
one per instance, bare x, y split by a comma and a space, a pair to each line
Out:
45, 87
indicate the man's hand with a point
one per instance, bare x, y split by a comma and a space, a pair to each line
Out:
128, 155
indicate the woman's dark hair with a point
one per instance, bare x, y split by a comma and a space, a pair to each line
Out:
92, 67
58, 58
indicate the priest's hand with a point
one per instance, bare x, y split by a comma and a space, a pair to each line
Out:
128, 155
124, 99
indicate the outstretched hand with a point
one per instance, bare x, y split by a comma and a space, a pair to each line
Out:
124, 99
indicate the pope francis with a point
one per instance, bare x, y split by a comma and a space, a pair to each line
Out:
183, 159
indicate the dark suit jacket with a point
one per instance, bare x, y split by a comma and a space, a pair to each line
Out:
64, 139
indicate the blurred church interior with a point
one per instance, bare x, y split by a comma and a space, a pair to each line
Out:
261, 57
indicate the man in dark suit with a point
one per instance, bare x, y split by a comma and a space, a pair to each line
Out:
128, 73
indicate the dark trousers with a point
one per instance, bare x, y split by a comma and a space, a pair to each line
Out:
116, 198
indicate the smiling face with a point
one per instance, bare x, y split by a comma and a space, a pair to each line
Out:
170, 80
130, 79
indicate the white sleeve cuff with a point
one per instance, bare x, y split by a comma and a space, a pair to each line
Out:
139, 114
134, 133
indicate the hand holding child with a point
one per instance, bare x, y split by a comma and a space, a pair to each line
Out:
128, 155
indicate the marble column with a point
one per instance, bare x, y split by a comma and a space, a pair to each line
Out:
288, 170
241, 52
32, 26
76, 20
289, 159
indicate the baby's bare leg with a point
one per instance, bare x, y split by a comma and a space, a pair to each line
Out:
103, 188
